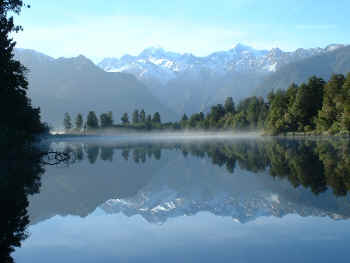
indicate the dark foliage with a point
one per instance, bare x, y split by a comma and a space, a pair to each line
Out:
22, 121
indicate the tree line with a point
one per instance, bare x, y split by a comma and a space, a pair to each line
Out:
317, 107
139, 120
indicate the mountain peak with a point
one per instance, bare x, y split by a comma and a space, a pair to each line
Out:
333, 47
242, 46
152, 51
239, 47
276, 51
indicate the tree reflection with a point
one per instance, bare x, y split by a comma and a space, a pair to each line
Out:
313, 164
21, 168
125, 154
107, 153
92, 152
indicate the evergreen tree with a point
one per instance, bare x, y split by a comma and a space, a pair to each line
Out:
300, 108
23, 120
92, 120
79, 122
229, 105
135, 117
328, 116
216, 114
149, 122
184, 120
345, 115
156, 118
149, 118
253, 111
67, 122
106, 119
142, 116
110, 118
125, 118
278, 102
307, 103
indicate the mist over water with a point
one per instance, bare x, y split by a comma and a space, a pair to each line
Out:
162, 136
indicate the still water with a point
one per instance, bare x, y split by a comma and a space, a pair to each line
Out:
178, 200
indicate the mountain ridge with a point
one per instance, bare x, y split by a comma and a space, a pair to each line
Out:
336, 61
190, 84
77, 85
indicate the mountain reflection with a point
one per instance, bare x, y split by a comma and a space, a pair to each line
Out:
242, 179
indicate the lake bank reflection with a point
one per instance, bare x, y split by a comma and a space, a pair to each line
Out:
145, 185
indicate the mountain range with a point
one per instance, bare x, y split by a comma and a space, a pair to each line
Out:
161, 65
188, 83
169, 82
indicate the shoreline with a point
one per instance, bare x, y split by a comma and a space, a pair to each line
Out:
188, 134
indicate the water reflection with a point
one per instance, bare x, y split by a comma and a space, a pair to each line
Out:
241, 179
313, 164
20, 168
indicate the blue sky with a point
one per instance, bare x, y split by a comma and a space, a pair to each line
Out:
112, 28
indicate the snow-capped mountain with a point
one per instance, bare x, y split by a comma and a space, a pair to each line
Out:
158, 64
158, 206
189, 84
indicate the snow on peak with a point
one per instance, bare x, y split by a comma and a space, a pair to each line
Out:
333, 47
156, 63
152, 51
241, 47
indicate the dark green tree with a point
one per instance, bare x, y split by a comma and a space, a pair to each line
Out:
345, 115
110, 119
149, 118
216, 113
328, 116
307, 103
92, 120
106, 120
156, 118
125, 118
23, 120
135, 117
79, 122
142, 116
67, 122
229, 105
278, 102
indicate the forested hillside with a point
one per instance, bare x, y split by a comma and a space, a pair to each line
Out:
316, 107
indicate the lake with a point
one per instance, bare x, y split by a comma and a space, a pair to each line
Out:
180, 199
